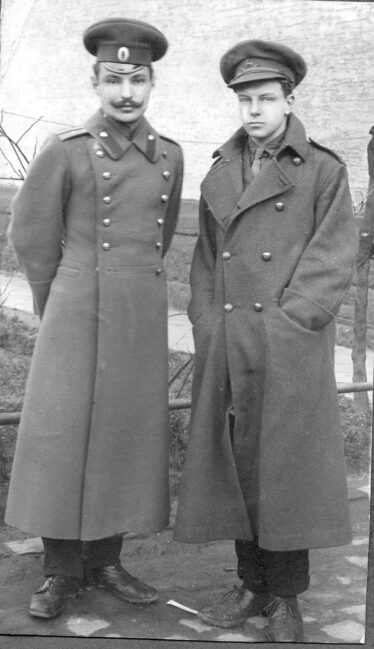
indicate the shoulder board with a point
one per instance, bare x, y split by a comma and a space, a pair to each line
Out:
169, 139
217, 153
325, 148
73, 132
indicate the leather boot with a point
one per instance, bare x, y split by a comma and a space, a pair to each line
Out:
52, 597
234, 607
123, 585
285, 622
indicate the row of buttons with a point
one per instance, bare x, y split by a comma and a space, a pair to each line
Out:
266, 256
256, 306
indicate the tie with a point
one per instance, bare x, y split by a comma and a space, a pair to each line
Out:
260, 153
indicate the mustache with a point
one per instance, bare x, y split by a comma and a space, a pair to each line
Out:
121, 103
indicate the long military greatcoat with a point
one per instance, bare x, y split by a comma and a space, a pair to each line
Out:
271, 267
92, 451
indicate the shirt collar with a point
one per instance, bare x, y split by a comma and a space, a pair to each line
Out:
294, 139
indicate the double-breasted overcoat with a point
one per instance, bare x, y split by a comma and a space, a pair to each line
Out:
90, 226
271, 267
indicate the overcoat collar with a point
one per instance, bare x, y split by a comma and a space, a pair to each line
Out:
222, 188
115, 144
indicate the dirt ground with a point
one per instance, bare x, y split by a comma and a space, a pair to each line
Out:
333, 608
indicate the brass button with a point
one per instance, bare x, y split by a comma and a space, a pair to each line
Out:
279, 206
100, 153
106, 222
164, 154
158, 271
158, 245
266, 256
103, 134
107, 199
151, 137
160, 221
166, 175
106, 175
258, 307
106, 245
228, 307
297, 161
164, 198
226, 255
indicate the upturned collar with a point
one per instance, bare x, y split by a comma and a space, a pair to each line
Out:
294, 139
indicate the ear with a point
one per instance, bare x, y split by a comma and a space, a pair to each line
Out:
95, 83
289, 103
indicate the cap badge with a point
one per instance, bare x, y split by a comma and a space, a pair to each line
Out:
123, 54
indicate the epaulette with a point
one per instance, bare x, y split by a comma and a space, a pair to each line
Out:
326, 148
73, 132
169, 139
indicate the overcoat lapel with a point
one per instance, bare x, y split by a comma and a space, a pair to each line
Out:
271, 182
222, 188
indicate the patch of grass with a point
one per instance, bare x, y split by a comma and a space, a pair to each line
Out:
356, 427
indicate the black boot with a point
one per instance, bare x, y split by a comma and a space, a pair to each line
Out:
52, 597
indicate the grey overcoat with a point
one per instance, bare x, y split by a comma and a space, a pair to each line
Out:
270, 270
92, 452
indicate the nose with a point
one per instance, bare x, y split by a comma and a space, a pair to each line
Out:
126, 89
255, 107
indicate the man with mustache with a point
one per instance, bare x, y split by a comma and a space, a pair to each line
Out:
275, 257
90, 227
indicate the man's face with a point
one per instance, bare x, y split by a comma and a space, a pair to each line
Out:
264, 109
123, 97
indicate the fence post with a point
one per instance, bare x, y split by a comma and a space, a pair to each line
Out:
361, 400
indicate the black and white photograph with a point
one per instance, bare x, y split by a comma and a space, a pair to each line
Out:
186, 321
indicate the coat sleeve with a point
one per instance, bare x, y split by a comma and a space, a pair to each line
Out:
202, 276
36, 227
172, 213
325, 270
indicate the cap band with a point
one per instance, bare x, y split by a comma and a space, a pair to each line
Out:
136, 54
256, 69
121, 68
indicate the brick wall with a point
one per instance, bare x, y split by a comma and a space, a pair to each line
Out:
45, 71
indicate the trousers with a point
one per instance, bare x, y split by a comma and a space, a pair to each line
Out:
74, 558
284, 574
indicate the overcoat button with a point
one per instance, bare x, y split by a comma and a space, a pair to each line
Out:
226, 255
258, 307
100, 153
160, 221
266, 256
107, 199
158, 271
151, 137
106, 222
228, 307
164, 198
279, 206
166, 175
158, 245
103, 134
106, 175
164, 154
106, 245
297, 161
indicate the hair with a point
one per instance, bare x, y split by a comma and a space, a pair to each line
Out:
96, 69
286, 85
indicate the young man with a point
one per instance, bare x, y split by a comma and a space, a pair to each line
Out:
273, 262
90, 226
